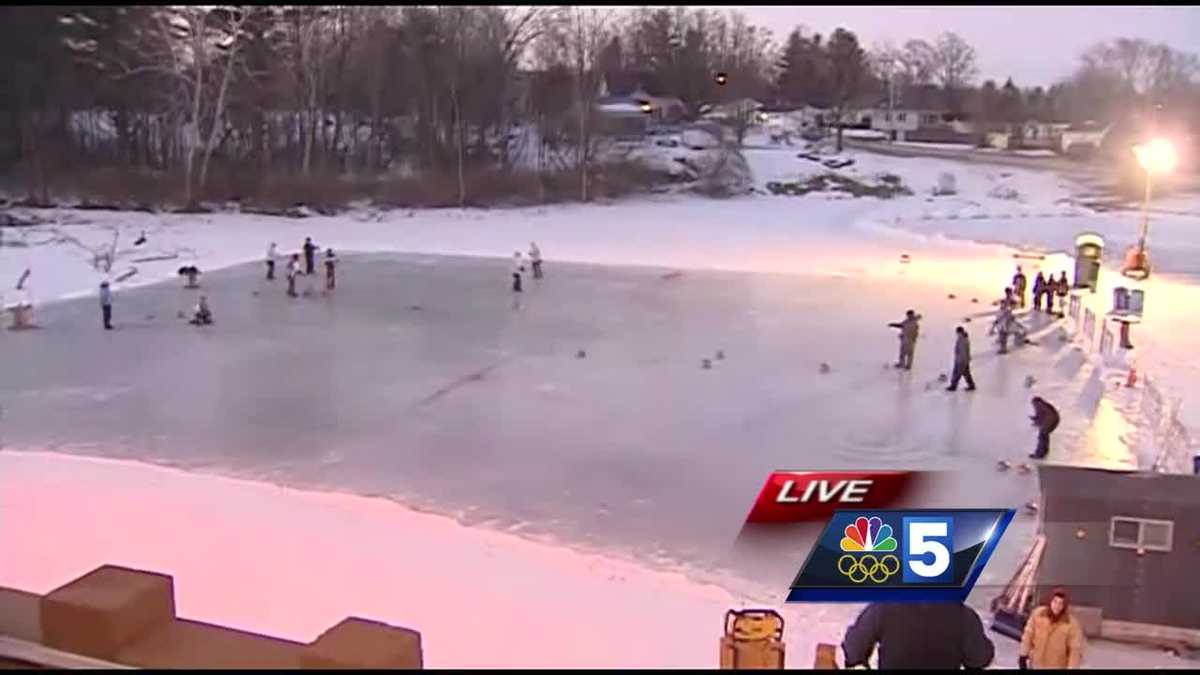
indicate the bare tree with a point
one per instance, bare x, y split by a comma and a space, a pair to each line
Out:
582, 34
849, 74
955, 66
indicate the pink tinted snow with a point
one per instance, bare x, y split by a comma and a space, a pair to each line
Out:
290, 563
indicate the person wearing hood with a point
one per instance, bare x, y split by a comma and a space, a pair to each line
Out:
909, 330
535, 259
106, 305
1045, 418
1053, 637
962, 361
1039, 289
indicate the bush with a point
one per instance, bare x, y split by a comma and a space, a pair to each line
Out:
832, 182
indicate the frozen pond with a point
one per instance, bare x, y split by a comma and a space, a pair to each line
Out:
422, 382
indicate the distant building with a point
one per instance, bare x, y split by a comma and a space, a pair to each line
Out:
1082, 139
634, 113
899, 121
732, 110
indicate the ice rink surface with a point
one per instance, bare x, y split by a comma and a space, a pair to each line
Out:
424, 381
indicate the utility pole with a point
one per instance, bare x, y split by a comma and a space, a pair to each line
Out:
891, 100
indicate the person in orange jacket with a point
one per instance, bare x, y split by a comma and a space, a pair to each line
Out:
1053, 637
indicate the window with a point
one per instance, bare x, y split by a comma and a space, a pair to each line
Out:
1143, 533
900, 116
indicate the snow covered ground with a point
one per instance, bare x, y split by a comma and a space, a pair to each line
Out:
390, 561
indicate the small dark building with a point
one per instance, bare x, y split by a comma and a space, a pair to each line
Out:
1124, 542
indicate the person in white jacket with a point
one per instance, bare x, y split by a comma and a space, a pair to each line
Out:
535, 259
292, 271
518, 269
271, 262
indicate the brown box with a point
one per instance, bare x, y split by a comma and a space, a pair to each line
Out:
193, 644
358, 643
106, 609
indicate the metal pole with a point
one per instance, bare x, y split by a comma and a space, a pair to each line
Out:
891, 101
1145, 220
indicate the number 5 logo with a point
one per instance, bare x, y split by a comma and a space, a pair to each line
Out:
927, 549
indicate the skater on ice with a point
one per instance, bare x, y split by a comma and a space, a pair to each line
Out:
1045, 418
1018, 286
202, 315
1005, 325
535, 259
271, 255
908, 338
293, 270
330, 270
310, 250
106, 305
1039, 289
518, 268
962, 361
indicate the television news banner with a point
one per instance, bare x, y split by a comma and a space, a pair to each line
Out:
876, 536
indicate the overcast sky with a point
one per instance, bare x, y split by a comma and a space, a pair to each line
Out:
1035, 45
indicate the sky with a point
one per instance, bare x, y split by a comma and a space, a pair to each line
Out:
1035, 45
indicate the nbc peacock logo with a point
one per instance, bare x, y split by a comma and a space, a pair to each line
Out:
867, 551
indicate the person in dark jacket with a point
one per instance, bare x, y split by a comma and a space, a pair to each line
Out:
920, 635
310, 250
962, 361
1045, 418
1018, 286
909, 329
106, 305
1039, 289
1062, 288
330, 270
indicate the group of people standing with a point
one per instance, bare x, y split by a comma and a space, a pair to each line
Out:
518, 268
309, 250
1045, 416
1006, 323
1043, 287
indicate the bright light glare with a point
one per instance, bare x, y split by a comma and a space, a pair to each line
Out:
1156, 156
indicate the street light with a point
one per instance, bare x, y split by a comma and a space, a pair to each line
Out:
1157, 156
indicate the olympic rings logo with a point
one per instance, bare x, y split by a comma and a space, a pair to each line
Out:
858, 569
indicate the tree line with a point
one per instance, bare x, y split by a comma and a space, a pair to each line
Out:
242, 95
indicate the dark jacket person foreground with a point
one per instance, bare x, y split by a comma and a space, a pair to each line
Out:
924, 635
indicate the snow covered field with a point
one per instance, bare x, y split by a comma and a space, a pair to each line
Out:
397, 565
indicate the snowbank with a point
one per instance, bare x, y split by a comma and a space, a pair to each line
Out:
291, 563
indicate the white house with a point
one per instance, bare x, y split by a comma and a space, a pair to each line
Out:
1082, 136
899, 120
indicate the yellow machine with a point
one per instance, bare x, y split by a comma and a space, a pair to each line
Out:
753, 639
